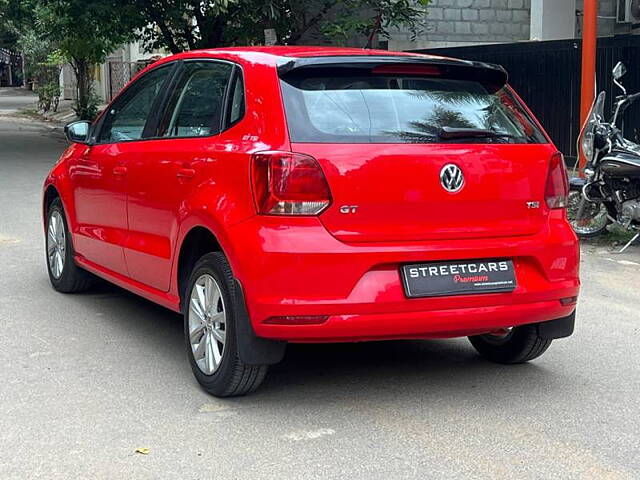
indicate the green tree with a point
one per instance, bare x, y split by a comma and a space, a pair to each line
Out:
13, 14
42, 67
179, 25
85, 32
375, 17
7, 33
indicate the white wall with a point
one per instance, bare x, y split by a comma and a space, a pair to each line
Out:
553, 19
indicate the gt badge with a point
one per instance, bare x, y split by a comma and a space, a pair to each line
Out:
348, 209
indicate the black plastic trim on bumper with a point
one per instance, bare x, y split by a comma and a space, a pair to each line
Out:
560, 328
253, 350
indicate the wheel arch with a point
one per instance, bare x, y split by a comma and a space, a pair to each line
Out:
58, 185
198, 241
49, 195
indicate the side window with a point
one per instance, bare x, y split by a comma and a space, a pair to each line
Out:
236, 111
195, 107
127, 117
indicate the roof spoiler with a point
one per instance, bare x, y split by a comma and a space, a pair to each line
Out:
486, 73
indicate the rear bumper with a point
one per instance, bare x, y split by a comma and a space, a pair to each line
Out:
301, 270
421, 325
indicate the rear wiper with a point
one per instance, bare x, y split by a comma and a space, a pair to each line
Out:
454, 132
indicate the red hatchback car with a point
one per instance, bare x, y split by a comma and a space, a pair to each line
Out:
284, 194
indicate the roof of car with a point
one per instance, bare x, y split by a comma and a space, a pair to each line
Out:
287, 58
304, 51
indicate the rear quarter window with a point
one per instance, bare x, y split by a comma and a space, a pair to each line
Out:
362, 107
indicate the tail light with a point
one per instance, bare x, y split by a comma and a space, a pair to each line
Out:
286, 183
557, 189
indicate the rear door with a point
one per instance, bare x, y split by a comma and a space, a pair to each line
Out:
168, 168
391, 140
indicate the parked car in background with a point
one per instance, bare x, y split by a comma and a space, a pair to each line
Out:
298, 194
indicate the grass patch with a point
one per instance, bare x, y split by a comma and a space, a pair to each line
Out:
614, 236
618, 235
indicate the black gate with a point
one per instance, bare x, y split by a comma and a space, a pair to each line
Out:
547, 77
10, 68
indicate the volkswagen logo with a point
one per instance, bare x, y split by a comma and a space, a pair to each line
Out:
451, 178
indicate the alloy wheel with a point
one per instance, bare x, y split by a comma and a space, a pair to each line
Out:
207, 324
56, 244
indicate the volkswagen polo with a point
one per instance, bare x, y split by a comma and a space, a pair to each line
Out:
298, 194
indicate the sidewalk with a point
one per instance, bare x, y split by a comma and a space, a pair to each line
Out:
16, 91
63, 115
15, 101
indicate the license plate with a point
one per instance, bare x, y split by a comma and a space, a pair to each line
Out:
458, 277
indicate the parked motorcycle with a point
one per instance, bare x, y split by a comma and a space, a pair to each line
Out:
610, 190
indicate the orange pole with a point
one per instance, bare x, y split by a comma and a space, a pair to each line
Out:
589, 41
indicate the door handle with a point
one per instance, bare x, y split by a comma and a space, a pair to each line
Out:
185, 173
120, 171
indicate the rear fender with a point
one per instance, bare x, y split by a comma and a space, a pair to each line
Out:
252, 349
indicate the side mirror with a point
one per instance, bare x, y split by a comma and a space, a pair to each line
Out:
77, 132
619, 71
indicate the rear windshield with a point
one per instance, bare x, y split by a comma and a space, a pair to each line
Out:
370, 108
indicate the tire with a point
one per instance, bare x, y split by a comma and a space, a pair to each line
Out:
215, 363
520, 345
64, 274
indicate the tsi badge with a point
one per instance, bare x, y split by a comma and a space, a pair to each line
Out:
533, 205
349, 209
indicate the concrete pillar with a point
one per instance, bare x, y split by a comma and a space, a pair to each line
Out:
553, 19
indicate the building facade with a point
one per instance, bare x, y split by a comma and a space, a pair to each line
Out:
446, 23
451, 23
110, 76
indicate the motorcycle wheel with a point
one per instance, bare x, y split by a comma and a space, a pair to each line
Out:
594, 218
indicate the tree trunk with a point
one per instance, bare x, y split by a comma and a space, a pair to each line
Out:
82, 71
297, 33
374, 30
211, 32
164, 31
189, 37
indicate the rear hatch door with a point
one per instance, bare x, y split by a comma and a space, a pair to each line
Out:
395, 192
418, 148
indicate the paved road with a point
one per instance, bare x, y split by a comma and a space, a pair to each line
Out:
86, 379
13, 99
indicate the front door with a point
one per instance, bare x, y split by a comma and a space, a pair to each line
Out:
100, 174
100, 207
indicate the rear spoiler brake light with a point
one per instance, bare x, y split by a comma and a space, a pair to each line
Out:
407, 70
493, 76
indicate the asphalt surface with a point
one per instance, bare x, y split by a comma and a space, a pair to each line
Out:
87, 379
14, 99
